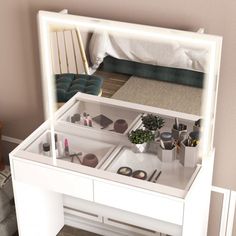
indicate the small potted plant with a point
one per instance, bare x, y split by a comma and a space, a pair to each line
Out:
141, 138
153, 123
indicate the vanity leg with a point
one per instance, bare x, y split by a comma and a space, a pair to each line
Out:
197, 201
39, 211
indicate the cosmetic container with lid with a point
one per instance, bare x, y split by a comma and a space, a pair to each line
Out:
46, 149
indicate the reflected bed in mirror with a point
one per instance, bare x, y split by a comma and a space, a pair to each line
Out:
163, 73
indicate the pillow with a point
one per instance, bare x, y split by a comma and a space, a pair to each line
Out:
97, 48
68, 85
198, 58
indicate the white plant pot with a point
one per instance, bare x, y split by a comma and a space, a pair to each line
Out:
139, 148
156, 133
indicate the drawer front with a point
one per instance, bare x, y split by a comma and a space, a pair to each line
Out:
53, 179
147, 203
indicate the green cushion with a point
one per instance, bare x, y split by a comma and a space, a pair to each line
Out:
168, 74
68, 85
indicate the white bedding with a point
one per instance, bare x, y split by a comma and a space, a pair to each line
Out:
170, 54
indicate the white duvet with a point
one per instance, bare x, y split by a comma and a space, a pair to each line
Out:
170, 54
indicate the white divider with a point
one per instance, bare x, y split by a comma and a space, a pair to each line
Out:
231, 214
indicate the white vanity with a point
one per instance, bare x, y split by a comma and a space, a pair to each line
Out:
57, 190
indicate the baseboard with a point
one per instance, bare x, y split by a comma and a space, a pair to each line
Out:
11, 140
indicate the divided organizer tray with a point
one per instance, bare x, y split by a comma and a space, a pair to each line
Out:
108, 112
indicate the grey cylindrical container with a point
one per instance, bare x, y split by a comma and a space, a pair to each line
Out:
46, 149
167, 139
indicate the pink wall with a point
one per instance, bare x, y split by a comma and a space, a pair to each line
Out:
20, 90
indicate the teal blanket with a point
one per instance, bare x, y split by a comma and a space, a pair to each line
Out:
168, 74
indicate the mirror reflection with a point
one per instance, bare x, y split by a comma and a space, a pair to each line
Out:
157, 72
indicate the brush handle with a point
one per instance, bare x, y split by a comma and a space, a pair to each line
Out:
177, 123
154, 172
157, 177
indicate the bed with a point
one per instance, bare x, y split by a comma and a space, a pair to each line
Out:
154, 59
162, 74
77, 55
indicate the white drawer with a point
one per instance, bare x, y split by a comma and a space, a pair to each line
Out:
57, 180
143, 202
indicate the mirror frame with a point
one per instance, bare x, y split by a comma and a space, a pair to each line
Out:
50, 21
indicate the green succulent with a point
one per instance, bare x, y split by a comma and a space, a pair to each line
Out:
140, 136
152, 122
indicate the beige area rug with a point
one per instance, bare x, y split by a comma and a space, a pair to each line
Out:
161, 94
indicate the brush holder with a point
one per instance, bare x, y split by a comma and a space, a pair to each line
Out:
166, 155
188, 156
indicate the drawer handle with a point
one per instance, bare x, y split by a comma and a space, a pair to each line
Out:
83, 212
130, 225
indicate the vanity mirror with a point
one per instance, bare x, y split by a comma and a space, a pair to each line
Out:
156, 68
172, 70
136, 121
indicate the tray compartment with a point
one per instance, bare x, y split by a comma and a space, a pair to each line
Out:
77, 144
172, 174
124, 156
109, 112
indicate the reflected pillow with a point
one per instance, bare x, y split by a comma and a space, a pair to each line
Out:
198, 59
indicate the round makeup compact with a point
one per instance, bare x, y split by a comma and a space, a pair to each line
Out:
139, 174
120, 126
124, 170
90, 160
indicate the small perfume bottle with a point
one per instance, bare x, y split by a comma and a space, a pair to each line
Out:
56, 145
46, 149
85, 119
89, 121
60, 149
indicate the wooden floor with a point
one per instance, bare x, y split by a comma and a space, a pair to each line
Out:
112, 82
70, 231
